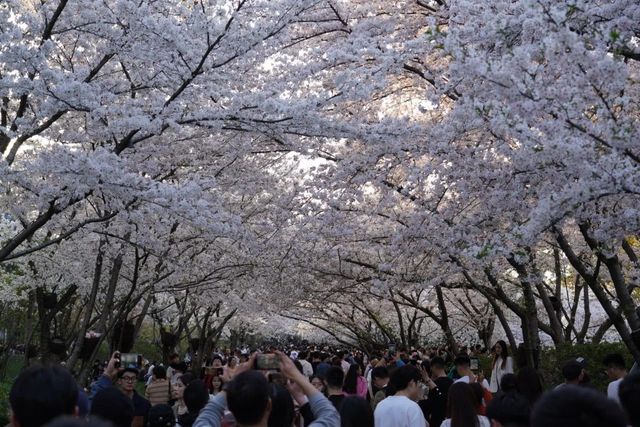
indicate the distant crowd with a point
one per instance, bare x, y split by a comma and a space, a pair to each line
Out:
323, 387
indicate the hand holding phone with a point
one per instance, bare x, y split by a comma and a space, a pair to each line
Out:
111, 370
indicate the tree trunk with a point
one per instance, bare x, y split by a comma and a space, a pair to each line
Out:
142, 315
10, 342
602, 329
530, 278
504, 323
530, 330
595, 285
88, 309
114, 277
444, 321
30, 328
617, 276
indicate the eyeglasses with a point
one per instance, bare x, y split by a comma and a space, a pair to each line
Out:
129, 379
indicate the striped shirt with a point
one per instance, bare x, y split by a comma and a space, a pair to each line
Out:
158, 392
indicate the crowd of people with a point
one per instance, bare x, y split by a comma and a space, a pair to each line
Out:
324, 388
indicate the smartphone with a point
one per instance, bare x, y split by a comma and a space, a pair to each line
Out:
210, 370
267, 362
128, 359
475, 364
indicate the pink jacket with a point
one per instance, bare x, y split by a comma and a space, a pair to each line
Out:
361, 388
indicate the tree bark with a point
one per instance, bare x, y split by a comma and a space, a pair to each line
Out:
615, 271
597, 288
444, 321
88, 308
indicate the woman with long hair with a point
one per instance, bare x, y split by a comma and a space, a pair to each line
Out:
502, 364
462, 408
216, 385
177, 391
354, 382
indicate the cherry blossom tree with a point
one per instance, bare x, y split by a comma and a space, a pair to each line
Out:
398, 161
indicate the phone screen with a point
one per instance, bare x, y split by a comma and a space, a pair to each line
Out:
475, 364
128, 359
267, 362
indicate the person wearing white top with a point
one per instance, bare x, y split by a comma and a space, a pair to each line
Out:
149, 376
613, 390
307, 369
461, 408
401, 409
502, 364
616, 370
473, 379
345, 366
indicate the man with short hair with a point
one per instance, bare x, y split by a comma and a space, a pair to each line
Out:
40, 394
125, 379
463, 366
616, 370
435, 406
380, 381
126, 382
401, 409
335, 380
249, 397
572, 372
